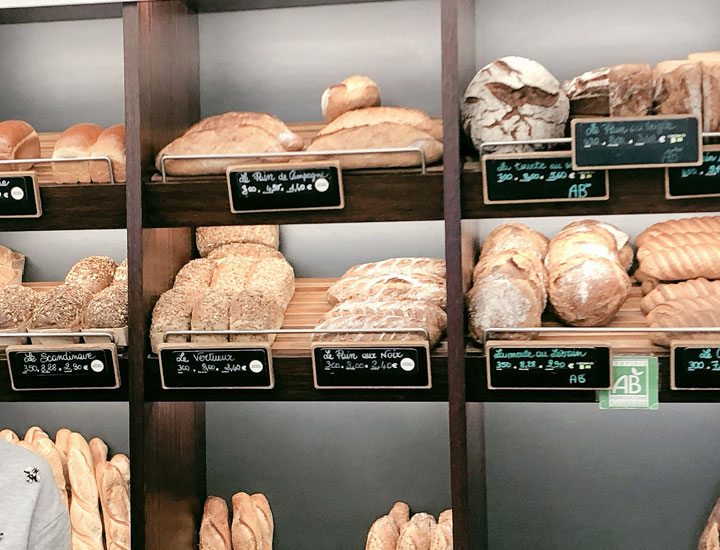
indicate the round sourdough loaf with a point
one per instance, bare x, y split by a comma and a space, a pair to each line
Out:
589, 241
500, 303
515, 236
587, 291
355, 92
17, 303
514, 98
513, 264
625, 251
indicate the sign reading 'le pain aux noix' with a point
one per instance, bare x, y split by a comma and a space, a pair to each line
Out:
548, 366
278, 187
540, 177
19, 195
69, 367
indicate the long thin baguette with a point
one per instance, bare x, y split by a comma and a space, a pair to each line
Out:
265, 518
246, 529
85, 522
46, 449
115, 501
215, 529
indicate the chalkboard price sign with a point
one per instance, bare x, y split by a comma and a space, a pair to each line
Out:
194, 366
342, 366
70, 367
695, 181
540, 177
643, 142
278, 187
695, 365
547, 366
19, 195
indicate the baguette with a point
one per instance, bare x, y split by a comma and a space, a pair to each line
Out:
710, 537
687, 262
349, 322
403, 266
62, 443
400, 512
209, 238
34, 433
9, 436
76, 141
445, 517
18, 140
383, 534
372, 116
110, 143
46, 449
355, 92
384, 288
416, 533
703, 224
98, 450
423, 312
694, 288
122, 463
246, 530
115, 501
265, 517
214, 528
85, 522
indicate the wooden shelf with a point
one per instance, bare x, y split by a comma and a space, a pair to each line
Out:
90, 10
204, 6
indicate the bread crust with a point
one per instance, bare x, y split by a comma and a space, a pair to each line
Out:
17, 304
209, 238
500, 303
431, 266
214, 528
76, 141
694, 288
85, 522
631, 89
515, 236
355, 92
678, 88
378, 115
110, 143
420, 311
94, 273
18, 140
389, 322
383, 288
246, 529
115, 500
383, 534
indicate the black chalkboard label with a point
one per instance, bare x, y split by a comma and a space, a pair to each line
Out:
276, 187
695, 181
548, 366
71, 367
216, 367
540, 177
19, 195
641, 142
341, 366
695, 366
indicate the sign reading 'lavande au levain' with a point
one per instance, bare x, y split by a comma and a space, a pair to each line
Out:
273, 187
695, 366
19, 196
695, 181
548, 366
540, 177
636, 142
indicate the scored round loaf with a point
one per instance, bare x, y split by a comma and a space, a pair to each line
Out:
173, 311
211, 312
108, 308
622, 240
18, 140
400, 512
383, 534
355, 92
514, 98
195, 276
62, 307
513, 264
589, 241
121, 273
17, 303
251, 251
211, 237
94, 273
588, 291
255, 309
515, 236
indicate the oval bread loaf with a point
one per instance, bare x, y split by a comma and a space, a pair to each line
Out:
421, 311
687, 262
405, 266
402, 116
256, 309
121, 273
249, 251
62, 307
108, 308
211, 312
212, 237
195, 276
384, 288
351, 322
173, 311
355, 92
591, 241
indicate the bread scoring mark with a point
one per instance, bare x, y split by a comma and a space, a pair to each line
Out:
518, 97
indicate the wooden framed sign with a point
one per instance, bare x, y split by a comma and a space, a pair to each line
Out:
63, 367
282, 187
695, 181
636, 142
695, 365
540, 177
359, 365
548, 366
19, 195
230, 366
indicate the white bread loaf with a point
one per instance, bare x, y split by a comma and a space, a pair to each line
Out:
85, 522
355, 92
383, 534
214, 528
389, 322
678, 88
17, 304
589, 93
514, 98
110, 143
93, 273
246, 529
76, 141
431, 266
631, 89
589, 241
209, 238
400, 512
18, 140
115, 500
372, 116
515, 236
276, 127
384, 288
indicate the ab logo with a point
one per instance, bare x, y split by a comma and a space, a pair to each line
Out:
629, 384
635, 384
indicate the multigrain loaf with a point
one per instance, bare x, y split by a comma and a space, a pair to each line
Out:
355, 92
383, 534
173, 311
272, 275
17, 304
353, 322
62, 307
211, 312
195, 276
245, 250
76, 141
694, 288
107, 309
431, 266
415, 287
18, 140
515, 236
121, 273
255, 309
372, 116
421, 311
9, 275
209, 238
93, 273
110, 143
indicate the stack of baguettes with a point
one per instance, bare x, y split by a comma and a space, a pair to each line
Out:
679, 262
710, 537
95, 490
398, 531
241, 282
399, 293
252, 524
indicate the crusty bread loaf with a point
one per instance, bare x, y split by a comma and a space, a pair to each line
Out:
402, 116
687, 262
107, 309
211, 312
663, 241
87, 529
420, 311
46, 449
589, 93
115, 500
173, 311
265, 518
441, 537
251, 251
679, 306
702, 224
110, 143
515, 236
513, 264
355, 92
685, 312
209, 238
711, 88
405, 266
246, 529
256, 309
383, 534
62, 440
384, 288
98, 450
622, 239
382, 135
9, 436
588, 290
76, 141
195, 276
17, 304
501, 303
678, 88
93, 273
630, 89
694, 288
122, 463
62, 307
18, 140
214, 528
591, 241
350, 322
416, 533
400, 512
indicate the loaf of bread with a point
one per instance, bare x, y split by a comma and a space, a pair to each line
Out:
687, 262
122, 463
107, 309
514, 98
17, 304
250, 251
711, 88
685, 312
679, 306
93, 273
445, 517
694, 288
513, 264
389, 322
400, 512
211, 312
441, 537
209, 238
405, 266
355, 92
9, 436
61, 308
98, 450
401, 116
195, 276
589, 93
110, 143
625, 251
416, 533
515, 236
256, 309
246, 530
420, 311
591, 241
229, 134
384, 288
85, 522
46, 449
265, 518
703, 224
121, 273
34, 433
664, 241
76, 141
383, 534
18, 140
710, 537
630, 89
115, 501
173, 311
214, 528
274, 276
678, 88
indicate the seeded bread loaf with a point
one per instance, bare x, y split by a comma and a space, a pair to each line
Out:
234, 119
355, 92
173, 311
18, 140
256, 309
61, 308
271, 275
107, 309
383, 534
211, 312
17, 304
93, 273
195, 276
405, 266
209, 238
251, 251
121, 273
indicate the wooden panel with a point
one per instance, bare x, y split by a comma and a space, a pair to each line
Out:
60, 13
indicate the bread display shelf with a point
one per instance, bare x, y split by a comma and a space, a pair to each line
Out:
293, 365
